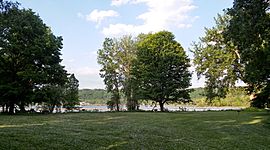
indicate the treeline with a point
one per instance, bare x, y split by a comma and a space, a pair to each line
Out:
94, 96
236, 97
30, 65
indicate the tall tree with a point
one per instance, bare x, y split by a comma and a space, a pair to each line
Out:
249, 29
161, 69
29, 55
127, 54
108, 59
117, 58
218, 60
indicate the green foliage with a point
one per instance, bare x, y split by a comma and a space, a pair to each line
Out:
51, 96
29, 58
71, 92
161, 69
140, 130
217, 60
236, 97
116, 59
127, 54
108, 59
249, 29
197, 93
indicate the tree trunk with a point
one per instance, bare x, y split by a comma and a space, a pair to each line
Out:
161, 104
131, 104
117, 105
51, 108
116, 98
11, 108
22, 108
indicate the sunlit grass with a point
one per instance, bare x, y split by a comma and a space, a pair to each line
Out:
138, 130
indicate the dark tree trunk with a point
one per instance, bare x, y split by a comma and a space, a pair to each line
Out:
116, 97
117, 107
51, 108
161, 104
11, 108
117, 104
22, 108
6, 109
131, 104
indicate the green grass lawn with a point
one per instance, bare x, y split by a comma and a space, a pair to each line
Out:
138, 130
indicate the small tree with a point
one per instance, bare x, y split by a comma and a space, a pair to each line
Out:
71, 92
161, 69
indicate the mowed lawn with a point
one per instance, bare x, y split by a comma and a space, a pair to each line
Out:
137, 130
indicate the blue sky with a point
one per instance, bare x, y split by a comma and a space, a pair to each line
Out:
84, 24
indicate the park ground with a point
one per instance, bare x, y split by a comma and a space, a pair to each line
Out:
137, 130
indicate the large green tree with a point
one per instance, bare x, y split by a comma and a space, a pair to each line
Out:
217, 60
249, 30
29, 55
161, 69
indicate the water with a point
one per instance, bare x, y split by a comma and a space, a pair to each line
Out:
103, 108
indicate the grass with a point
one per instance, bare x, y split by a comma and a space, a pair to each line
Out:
137, 130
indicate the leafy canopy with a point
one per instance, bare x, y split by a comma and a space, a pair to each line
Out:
218, 60
249, 30
161, 68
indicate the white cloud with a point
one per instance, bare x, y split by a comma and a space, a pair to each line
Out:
160, 15
119, 2
89, 78
85, 71
99, 15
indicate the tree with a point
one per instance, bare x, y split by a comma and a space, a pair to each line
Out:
218, 60
108, 59
117, 58
52, 96
161, 69
249, 30
29, 55
71, 92
127, 54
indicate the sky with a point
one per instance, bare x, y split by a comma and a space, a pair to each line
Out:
85, 24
